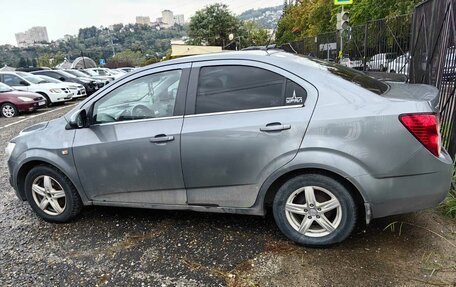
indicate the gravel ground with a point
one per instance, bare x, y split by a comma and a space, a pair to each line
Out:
134, 247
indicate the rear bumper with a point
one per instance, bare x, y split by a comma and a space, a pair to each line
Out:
404, 194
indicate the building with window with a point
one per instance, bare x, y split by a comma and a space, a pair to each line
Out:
32, 36
179, 19
167, 18
143, 20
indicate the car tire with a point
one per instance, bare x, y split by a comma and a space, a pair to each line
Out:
49, 188
9, 110
46, 97
330, 219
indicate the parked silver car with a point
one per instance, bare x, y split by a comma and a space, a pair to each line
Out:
326, 146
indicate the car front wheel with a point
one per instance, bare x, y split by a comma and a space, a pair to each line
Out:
51, 194
9, 110
315, 210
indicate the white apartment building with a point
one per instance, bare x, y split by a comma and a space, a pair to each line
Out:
32, 36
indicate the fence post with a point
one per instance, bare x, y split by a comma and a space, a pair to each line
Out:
366, 28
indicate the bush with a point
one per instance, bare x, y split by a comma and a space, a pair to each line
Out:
449, 205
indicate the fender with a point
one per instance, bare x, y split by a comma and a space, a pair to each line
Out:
54, 158
321, 159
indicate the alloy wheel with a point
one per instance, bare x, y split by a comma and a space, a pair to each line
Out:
8, 111
48, 195
313, 211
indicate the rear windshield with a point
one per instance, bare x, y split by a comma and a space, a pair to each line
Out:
357, 77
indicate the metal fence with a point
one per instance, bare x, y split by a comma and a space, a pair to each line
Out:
370, 47
419, 48
433, 59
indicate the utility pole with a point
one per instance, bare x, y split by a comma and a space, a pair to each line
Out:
342, 38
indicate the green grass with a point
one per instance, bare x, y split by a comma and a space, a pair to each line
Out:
449, 205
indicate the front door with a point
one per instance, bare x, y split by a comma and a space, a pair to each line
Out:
15, 82
131, 152
244, 121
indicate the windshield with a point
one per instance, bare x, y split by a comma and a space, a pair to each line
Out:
91, 73
49, 79
357, 77
66, 74
31, 78
76, 73
5, 88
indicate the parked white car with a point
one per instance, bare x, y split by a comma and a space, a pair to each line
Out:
53, 93
355, 64
379, 62
77, 89
400, 65
105, 72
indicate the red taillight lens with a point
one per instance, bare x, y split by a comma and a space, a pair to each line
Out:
425, 127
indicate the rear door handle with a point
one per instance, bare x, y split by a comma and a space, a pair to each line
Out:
275, 127
161, 138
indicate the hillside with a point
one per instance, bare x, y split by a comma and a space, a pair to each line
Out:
265, 17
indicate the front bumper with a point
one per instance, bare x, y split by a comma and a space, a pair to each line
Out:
31, 106
410, 193
60, 97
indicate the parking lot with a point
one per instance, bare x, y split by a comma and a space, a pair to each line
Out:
134, 247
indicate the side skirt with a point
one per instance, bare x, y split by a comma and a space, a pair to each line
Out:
198, 208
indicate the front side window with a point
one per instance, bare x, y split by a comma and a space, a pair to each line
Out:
12, 80
233, 88
152, 96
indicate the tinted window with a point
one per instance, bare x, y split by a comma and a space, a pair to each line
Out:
294, 94
231, 88
152, 96
12, 80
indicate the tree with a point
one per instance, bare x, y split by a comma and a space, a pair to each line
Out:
126, 58
212, 25
22, 62
312, 17
252, 35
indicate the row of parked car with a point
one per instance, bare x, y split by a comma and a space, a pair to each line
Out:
26, 92
379, 62
392, 63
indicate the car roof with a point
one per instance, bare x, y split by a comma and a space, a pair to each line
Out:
297, 64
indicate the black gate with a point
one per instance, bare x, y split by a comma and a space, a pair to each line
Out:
433, 59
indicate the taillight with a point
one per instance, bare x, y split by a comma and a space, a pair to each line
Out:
425, 128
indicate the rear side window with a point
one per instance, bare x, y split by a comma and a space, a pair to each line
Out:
233, 88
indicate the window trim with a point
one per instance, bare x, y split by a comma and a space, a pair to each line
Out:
192, 91
246, 111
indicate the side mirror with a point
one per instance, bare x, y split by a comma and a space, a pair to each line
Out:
24, 83
62, 79
78, 120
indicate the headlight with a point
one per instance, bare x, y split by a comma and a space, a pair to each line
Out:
24, 99
55, 91
9, 150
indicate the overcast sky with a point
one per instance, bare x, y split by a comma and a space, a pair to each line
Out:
67, 16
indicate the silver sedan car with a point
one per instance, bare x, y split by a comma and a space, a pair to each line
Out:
325, 146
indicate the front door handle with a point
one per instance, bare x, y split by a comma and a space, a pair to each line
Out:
161, 138
275, 127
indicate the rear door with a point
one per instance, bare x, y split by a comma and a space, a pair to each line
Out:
243, 121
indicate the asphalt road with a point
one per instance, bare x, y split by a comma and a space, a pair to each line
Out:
135, 247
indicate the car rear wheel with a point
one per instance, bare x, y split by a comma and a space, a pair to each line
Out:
9, 110
315, 210
51, 194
